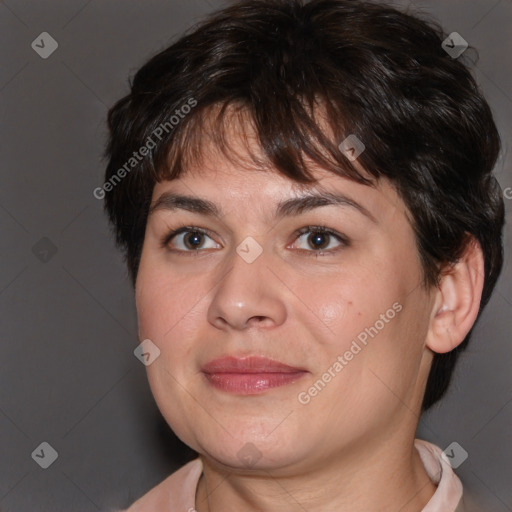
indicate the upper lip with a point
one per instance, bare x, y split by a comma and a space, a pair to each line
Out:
251, 364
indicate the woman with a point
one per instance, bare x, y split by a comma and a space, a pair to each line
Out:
304, 196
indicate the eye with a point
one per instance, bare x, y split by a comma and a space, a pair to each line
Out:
191, 239
188, 239
320, 239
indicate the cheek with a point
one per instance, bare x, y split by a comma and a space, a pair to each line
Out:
170, 311
370, 324
168, 318
164, 301
331, 309
353, 302
154, 309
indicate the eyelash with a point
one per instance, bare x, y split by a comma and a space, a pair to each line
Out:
307, 229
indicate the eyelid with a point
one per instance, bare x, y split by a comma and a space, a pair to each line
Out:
321, 229
342, 239
173, 233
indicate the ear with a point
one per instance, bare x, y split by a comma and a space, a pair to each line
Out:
457, 300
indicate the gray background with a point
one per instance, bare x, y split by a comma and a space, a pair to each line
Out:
68, 373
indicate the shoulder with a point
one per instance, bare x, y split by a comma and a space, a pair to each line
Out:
176, 492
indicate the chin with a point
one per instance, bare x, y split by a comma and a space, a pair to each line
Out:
249, 446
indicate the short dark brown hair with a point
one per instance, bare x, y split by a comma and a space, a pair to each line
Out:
378, 73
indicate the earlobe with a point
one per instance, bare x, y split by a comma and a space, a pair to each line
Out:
457, 300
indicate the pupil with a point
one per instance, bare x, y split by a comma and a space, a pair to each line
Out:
320, 239
194, 239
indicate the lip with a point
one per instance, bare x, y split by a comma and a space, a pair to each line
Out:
250, 364
250, 375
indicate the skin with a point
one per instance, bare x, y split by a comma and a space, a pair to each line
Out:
351, 447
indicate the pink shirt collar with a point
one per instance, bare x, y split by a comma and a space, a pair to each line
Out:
448, 497
177, 492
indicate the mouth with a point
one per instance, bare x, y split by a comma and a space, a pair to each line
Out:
250, 375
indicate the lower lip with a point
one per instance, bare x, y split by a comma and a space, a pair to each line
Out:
251, 383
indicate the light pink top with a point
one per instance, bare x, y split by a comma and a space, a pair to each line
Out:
177, 492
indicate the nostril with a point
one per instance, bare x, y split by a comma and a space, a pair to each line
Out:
257, 319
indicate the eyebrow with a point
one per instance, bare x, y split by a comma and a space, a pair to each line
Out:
294, 206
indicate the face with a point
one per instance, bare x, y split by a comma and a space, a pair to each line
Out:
331, 292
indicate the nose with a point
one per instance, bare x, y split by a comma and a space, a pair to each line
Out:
249, 295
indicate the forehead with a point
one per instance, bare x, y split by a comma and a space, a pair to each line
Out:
229, 166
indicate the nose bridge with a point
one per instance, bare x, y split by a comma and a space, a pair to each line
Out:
247, 290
